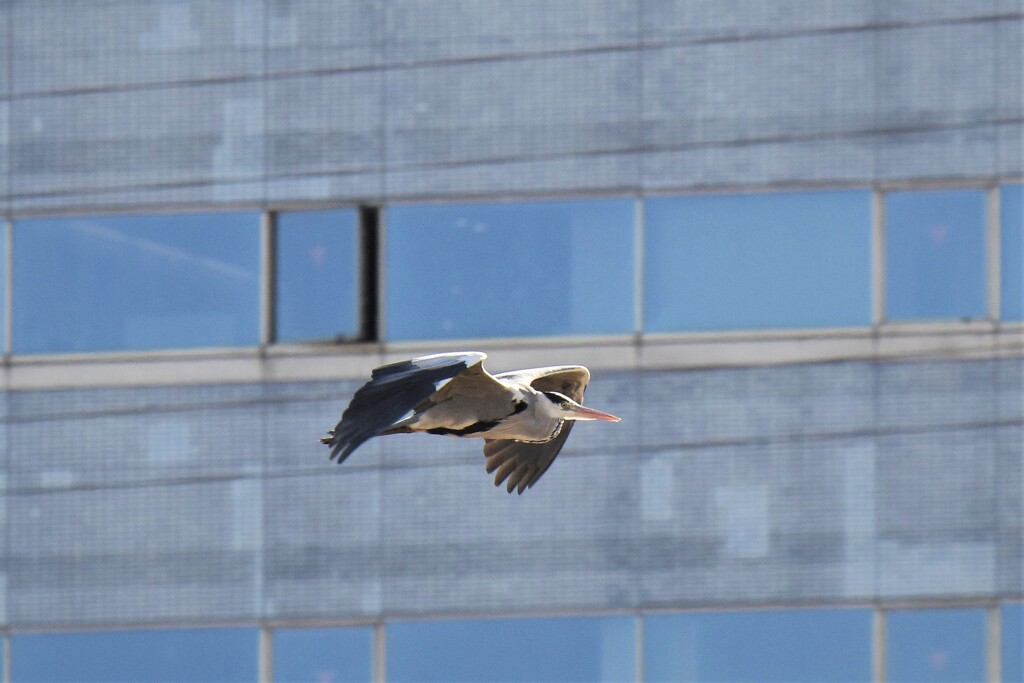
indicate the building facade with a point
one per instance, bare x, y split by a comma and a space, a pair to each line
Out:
786, 237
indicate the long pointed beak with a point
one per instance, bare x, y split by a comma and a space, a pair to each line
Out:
584, 413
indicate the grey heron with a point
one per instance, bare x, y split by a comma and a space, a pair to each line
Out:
524, 416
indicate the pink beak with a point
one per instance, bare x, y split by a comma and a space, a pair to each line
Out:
584, 413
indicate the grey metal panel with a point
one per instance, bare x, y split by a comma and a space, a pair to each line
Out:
325, 136
700, 19
828, 482
495, 113
1009, 69
191, 141
937, 75
754, 90
417, 31
134, 555
564, 174
129, 105
910, 10
308, 35
62, 45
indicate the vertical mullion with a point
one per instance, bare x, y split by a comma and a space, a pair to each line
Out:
992, 238
380, 275
268, 278
878, 645
266, 655
380, 653
640, 645
994, 651
7, 658
369, 268
878, 283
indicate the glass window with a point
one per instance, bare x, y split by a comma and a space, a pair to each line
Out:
337, 655
722, 262
510, 269
317, 275
136, 282
214, 655
569, 649
783, 645
935, 255
1011, 213
1013, 642
936, 645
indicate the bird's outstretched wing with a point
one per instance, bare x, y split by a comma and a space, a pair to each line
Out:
522, 463
392, 392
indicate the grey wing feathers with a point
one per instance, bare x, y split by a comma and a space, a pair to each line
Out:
520, 463
393, 391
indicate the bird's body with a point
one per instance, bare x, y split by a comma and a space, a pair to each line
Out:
524, 416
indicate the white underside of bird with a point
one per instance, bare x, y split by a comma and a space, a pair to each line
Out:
524, 416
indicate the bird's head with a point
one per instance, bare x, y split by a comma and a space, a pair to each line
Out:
568, 409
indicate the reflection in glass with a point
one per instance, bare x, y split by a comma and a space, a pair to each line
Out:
563, 649
105, 283
197, 655
317, 275
771, 645
510, 269
337, 655
781, 260
935, 255
935, 645
1012, 265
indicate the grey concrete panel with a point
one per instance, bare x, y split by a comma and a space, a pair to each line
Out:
703, 19
496, 112
311, 35
417, 31
325, 136
827, 482
61, 46
173, 138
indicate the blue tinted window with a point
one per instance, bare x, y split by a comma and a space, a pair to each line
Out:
757, 261
1013, 642
936, 645
497, 270
791, 645
571, 649
337, 655
317, 275
214, 655
1012, 264
935, 255
136, 282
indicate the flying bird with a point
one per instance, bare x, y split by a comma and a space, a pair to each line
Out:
524, 416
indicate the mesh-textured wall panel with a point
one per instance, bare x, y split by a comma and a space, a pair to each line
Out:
196, 103
829, 482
